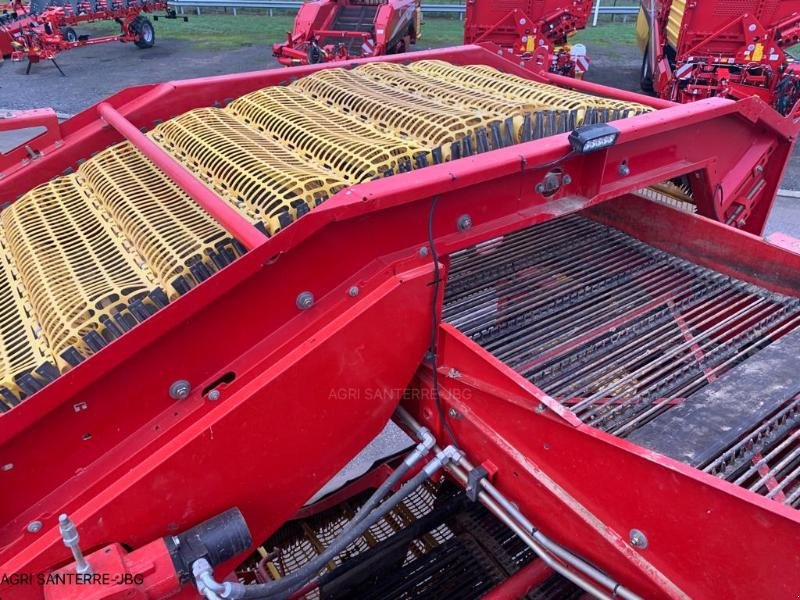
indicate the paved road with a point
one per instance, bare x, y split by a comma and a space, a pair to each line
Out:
94, 72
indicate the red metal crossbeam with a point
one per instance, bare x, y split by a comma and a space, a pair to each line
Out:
225, 215
764, 470
697, 351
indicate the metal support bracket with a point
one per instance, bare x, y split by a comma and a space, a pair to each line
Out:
474, 478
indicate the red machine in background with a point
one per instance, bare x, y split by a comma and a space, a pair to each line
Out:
39, 33
695, 50
10, 14
536, 30
333, 30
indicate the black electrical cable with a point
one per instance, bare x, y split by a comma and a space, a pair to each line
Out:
550, 164
433, 349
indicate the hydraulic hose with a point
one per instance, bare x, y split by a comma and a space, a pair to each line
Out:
283, 588
427, 441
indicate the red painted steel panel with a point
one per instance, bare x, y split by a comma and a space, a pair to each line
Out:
152, 466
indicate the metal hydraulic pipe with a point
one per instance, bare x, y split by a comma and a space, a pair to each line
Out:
223, 213
370, 513
509, 514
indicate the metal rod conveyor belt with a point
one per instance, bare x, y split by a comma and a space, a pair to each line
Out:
643, 345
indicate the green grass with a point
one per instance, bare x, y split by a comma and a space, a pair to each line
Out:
220, 31
214, 31
441, 32
607, 35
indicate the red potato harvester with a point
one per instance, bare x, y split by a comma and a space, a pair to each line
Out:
217, 291
335, 30
696, 50
536, 30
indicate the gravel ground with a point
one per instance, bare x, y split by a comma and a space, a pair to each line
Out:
94, 72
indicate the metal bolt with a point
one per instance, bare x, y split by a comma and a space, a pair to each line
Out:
453, 373
464, 222
638, 539
213, 395
540, 188
759, 169
71, 539
624, 170
353, 291
540, 408
305, 300
453, 413
34, 527
180, 389
423, 251
566, 179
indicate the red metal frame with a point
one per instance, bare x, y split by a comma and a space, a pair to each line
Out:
588, 489
151, 465
32, 149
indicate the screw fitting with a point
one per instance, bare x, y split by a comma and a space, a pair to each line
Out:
305, 300
638, 539
179, 390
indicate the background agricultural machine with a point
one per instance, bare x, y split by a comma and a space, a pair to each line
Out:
41, 30
334, 30
215, 292
696, 50
532, 29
